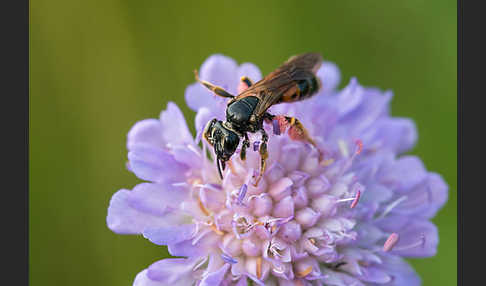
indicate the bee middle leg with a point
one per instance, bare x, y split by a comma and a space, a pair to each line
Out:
214, 88
246, 144
263, 156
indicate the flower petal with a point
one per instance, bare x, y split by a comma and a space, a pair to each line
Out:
156, 165
170, 234
130, 212
174, 127
147, 132
329, 75
173, 271
401, 272
425, 199
216, 277
405, 173
396, 134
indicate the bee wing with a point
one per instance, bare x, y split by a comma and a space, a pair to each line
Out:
271, 89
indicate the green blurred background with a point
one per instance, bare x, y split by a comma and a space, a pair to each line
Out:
97, 67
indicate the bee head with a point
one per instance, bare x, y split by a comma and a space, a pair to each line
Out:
223, 140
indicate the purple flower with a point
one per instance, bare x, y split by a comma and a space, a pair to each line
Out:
344, 215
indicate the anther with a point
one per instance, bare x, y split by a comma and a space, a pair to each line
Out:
359, 144
354, 199
390, 242
305, 272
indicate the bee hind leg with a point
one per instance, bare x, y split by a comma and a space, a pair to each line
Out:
298, 132
214, 88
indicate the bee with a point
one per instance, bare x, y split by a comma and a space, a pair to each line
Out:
294, 80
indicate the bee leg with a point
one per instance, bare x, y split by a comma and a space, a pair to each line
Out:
245, 82
263, 156
214, 88
246, 144
298, 132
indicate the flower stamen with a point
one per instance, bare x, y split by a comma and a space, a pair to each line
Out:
228, 258
241, 194
392, 205
203, 208
259, 267
216, 230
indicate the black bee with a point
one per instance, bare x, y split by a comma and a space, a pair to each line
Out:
293, 81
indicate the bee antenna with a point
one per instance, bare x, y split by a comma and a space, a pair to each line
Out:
196, 74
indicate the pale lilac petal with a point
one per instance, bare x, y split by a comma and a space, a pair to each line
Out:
425, 199
284, 208
155, 165
216, 277
131, 212
188, 155
173, 271
222, 71
143, 280
329, 75
404, 174
186, 248
170, 234
400, 271
375, 275
396, 134
147, 132
174, 127
350, 97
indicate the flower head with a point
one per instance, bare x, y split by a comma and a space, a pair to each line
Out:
346, 213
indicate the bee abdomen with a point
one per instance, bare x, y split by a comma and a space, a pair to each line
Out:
303, 89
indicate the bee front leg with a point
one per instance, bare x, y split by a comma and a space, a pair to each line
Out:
245, 144
245, 82
263, 156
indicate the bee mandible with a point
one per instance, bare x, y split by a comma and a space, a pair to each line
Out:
294, 80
